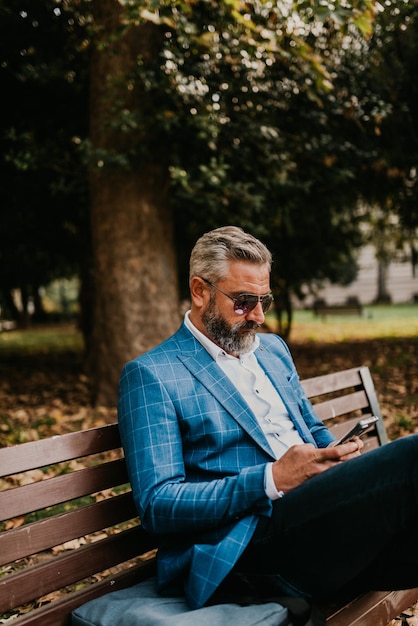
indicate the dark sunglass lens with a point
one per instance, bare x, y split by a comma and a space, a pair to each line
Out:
245, 303
266, 302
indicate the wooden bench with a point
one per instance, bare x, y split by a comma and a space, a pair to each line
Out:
69, 531
338, 309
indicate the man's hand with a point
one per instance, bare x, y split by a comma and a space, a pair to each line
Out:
304, 461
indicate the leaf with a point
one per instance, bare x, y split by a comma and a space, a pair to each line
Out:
365, 24
14, 523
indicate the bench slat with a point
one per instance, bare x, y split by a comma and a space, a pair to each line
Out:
371, 609
342, 405
338, 309
51, 491
46, 533
22, 587
59, 613
328, 383
35, 454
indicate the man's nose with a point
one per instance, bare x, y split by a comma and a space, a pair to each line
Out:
257, 314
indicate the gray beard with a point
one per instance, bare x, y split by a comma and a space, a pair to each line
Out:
227, 336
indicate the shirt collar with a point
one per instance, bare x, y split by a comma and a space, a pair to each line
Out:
214, 350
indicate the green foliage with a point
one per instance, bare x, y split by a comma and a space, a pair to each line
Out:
405, 423
280, 122
255, 135
383, 76
273, 116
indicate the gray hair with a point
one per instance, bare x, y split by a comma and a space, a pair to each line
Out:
215, 249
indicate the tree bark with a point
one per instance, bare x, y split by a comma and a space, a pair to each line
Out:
136, 302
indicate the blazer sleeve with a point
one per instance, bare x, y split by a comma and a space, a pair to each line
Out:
169, 497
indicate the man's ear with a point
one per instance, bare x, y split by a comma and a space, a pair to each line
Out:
198, 291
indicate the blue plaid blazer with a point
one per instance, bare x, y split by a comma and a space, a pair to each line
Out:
196, 456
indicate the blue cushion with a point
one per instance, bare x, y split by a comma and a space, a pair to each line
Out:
141, 605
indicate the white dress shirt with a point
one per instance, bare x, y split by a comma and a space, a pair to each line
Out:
261, 396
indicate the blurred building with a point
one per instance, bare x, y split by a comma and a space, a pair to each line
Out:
395, 283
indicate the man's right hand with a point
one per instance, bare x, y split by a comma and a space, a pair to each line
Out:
304, 461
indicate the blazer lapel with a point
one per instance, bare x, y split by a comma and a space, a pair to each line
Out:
208, 373
278, 374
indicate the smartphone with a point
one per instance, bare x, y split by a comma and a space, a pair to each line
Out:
359, 429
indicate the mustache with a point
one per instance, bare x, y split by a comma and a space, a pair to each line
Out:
249, 325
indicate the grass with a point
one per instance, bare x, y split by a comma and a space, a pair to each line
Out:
384, 321
42, 340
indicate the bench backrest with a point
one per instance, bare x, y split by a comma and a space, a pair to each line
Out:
69, 530
341, 398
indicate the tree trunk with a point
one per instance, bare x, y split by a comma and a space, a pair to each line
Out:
135, 272
383, 296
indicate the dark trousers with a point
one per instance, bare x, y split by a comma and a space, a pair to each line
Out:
353, 528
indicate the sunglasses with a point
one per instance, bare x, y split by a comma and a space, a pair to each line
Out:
245, 302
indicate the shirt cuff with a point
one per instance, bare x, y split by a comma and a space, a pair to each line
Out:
269, 486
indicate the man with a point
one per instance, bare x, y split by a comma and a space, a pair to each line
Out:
233, 471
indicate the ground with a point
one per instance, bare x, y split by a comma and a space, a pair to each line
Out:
45, 394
